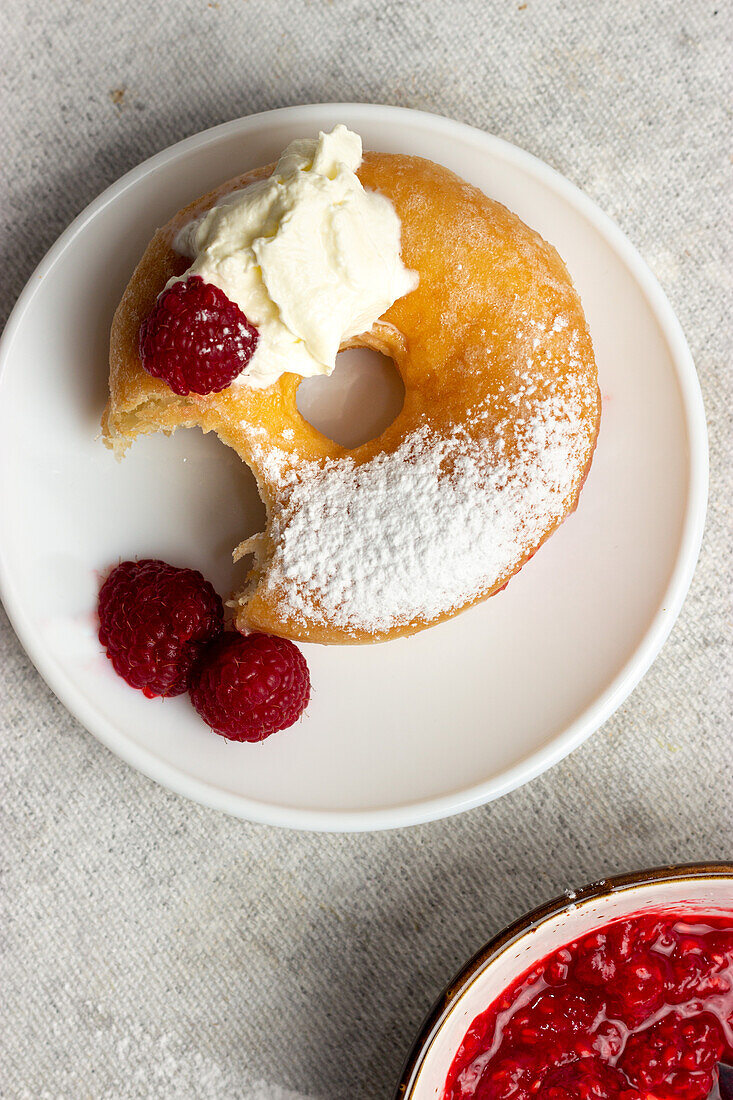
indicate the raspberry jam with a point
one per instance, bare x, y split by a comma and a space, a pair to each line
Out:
641, 1009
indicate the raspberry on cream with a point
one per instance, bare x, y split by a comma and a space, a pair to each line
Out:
195, 339
308, 255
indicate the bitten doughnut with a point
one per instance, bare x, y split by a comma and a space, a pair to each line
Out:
485, 460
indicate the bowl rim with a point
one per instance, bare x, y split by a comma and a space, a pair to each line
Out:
614, 884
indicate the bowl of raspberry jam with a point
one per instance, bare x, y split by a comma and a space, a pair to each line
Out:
620, 991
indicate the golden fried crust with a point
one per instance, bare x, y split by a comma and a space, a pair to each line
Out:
460, 341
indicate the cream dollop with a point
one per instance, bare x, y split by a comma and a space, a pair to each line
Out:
309, 256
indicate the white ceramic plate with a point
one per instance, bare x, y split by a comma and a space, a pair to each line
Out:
396, 733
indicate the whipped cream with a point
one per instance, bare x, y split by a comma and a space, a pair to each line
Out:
308, 255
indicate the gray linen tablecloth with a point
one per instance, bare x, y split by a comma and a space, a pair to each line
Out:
153, 948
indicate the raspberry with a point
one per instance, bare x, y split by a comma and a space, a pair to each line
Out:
698, 973
195, 339
587, 1079
556, 1014
675, 1057
154, 620
596, 964
248, 686
639, 989
558, 967
513, 1077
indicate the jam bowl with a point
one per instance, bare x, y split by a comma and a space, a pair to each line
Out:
623, 989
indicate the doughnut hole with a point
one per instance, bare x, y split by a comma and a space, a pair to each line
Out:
356, 403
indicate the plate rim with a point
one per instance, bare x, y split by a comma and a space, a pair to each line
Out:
638, 661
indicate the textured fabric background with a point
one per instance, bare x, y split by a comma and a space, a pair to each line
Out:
152, 948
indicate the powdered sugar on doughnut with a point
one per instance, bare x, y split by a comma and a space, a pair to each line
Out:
414, 534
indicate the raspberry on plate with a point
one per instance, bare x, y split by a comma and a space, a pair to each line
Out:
247, 687
154, 620
196, 339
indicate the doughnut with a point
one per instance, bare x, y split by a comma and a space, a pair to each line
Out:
486, 458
